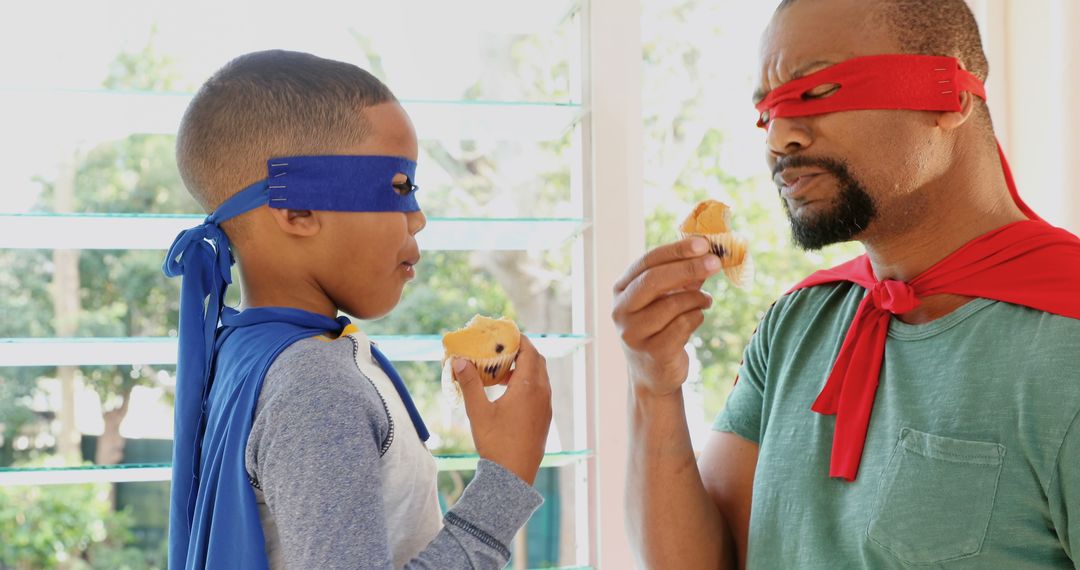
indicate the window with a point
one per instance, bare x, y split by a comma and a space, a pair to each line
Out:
88, 349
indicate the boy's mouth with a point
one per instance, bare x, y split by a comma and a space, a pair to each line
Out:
408, 265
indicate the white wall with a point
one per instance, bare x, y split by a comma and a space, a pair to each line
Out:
1033, 88
1070, 21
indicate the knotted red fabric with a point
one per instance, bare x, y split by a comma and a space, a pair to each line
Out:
1028, 263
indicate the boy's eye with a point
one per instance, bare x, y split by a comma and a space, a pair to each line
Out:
821, 91
403, 186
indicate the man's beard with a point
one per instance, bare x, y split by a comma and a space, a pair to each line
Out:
852, 213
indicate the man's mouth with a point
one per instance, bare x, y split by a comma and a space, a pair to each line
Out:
801, 182
794, 185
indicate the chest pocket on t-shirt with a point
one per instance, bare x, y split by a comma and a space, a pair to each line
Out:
935, 498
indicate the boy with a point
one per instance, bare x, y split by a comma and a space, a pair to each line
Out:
297, 444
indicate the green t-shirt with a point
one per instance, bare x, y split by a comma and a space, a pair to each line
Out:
972, 456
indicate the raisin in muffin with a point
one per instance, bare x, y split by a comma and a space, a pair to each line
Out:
710, 220
490, 344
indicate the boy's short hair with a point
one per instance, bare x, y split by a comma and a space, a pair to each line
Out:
266, 104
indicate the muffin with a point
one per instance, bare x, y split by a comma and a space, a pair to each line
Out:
490, 344
710, 220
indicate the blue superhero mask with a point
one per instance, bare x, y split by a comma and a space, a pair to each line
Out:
341, 184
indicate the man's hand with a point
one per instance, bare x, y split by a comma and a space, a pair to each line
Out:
658, 305
511, 431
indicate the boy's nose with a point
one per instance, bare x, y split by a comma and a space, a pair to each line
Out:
417, 221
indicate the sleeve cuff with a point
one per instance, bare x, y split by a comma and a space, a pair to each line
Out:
726, 422
497, 502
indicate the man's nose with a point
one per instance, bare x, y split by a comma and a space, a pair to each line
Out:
788, 136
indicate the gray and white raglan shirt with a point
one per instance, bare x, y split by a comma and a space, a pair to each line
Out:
342, 480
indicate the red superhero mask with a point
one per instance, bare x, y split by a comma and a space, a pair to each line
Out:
1028, 263
913, 82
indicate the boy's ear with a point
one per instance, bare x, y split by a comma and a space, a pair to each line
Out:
299, 223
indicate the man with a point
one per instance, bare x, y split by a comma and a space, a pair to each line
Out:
916, 407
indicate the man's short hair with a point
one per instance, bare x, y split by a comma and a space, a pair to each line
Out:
266, 104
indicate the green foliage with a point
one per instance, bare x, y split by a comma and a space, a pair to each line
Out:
136, 174
16, 387
147, 69
25, 305
66, 526
542, 65
25, 311
447, 292
122, 294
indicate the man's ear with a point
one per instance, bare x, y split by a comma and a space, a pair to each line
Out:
298, 223
953, 119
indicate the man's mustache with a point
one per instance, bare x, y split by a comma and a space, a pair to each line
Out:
831, 165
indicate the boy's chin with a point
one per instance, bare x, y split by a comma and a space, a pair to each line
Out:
369, 310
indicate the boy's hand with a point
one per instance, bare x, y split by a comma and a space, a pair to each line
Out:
658, 305
511, 431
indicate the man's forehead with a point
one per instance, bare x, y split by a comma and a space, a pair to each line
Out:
812, 34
